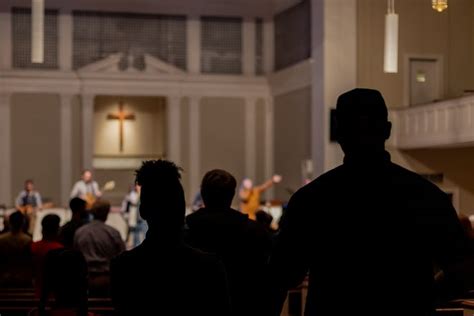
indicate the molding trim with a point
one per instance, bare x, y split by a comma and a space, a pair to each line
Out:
119, 163
134, 83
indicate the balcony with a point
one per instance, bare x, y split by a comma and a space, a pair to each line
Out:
448, 123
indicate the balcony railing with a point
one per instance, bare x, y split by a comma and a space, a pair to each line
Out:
448, 123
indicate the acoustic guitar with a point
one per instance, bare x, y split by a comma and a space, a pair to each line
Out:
26, 209
91, 198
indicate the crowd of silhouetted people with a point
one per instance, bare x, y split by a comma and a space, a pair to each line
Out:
371, 237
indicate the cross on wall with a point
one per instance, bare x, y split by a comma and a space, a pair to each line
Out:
121, 116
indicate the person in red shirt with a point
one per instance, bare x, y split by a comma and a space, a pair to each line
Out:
39, 249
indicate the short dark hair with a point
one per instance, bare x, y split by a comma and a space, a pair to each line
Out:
162, 195
27, 181
101, 210
77, 205
218, 188
50, 225
16, 221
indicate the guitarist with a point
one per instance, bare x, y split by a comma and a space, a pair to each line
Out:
28, 202
86, 189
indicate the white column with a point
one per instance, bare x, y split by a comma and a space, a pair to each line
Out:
5, 145
248, 47
250, 135
269, 143
65, 39
87, 130
174, 129
193, 33
66, 146
194, 143
334, 52
318, 112
5, 40
268, 46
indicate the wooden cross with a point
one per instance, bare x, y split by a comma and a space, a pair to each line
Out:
121, 116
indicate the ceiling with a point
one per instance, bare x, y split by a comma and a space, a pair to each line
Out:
242, 8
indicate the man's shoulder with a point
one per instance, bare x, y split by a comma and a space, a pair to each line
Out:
323, 182
86, 228
111, 230
183, 253
415, 181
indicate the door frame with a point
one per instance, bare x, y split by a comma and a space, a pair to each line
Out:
406, 68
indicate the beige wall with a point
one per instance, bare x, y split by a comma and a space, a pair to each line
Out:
144, 136
222, 141
423, 31
292, 133
36, 143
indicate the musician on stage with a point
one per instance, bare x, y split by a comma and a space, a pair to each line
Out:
136, 224
28, 202
86, 189
250, 195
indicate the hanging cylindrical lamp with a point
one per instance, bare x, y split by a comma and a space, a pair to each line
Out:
390, 62
37, 31
439, 5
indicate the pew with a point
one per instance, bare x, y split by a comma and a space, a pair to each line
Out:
23, 305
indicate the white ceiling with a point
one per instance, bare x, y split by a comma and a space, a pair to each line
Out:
243, 8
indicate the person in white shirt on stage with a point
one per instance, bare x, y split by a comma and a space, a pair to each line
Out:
86, 189
137, 225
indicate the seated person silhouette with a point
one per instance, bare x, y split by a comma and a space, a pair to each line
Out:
39, 249
15, 251
78, 219
368, 231
162, 274
65, 280
241, 243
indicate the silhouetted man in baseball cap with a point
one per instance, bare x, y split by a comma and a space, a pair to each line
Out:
368, 231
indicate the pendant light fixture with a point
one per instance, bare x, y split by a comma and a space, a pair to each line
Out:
390, 63
37, 31
439, 5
